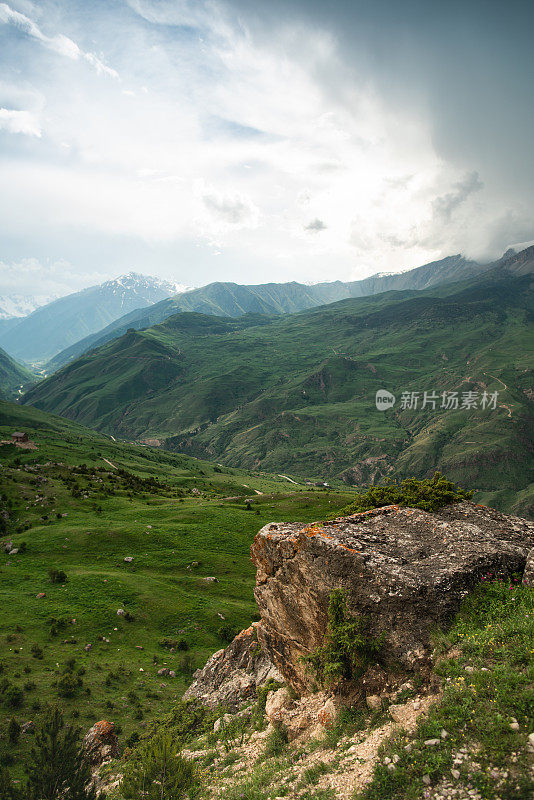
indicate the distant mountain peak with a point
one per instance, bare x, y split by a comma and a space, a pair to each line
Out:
137, 281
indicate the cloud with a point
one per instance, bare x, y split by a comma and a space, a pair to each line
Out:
315, 225
59, 43
444, 205
230, 208
14, 121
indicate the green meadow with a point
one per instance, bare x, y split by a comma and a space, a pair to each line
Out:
181, 520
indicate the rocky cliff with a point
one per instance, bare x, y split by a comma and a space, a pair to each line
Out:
403, 570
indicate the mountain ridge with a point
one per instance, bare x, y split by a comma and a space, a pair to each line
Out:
62, 322
232, 299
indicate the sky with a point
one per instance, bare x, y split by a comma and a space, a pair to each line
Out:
202, 140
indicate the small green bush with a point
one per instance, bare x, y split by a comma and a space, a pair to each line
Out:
157, 770
429, 494
347, 649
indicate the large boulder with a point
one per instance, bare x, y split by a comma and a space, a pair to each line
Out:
101, 743
404, 569
233, 675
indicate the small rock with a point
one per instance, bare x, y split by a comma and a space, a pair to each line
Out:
222, 722
426, 780
374, 702
211, 579
469, 669
514, 726
444, 734
121, 612
128, 559
27, 727
531, 739
432, 742
455, 773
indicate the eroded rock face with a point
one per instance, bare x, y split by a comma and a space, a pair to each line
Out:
406, 570
233, 675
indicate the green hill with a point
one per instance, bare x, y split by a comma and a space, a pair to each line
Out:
297, 394
234, 300
13, 376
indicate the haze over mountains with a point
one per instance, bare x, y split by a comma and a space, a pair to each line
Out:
297, 392
51, 328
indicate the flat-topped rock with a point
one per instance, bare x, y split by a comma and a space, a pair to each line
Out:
404, 569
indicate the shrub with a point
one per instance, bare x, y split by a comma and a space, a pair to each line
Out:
68, 684
57, 576
13, 731
347, 650
158, 771
276, 742
57, 767
227, 633
429, 494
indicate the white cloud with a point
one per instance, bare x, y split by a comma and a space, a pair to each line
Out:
58, 43
217, 139
14, 121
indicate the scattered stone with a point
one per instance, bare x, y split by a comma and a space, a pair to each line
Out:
327, 715
276, 703
432, 742
211, 579
515, 726
455, 773
27, 727
426, 780
444, 734
469, 669
128, 559
374, 702
121, 612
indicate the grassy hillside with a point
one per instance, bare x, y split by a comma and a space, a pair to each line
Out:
82, 504
297, 393
13, 376
233, 300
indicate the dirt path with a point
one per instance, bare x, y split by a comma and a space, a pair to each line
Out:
109, 462
288, 479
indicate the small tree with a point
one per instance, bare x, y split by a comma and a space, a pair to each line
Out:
13, 731
157, 770
7, 790
58, 766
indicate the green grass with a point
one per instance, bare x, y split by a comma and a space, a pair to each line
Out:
167, 511
492, 637
296, 394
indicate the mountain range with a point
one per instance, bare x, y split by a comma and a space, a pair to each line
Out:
51, 328
296, 393
234, 300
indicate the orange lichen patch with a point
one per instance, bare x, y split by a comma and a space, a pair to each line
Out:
104, 728
245, 632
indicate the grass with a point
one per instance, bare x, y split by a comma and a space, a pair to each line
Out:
487, 667
171, 514
296, 394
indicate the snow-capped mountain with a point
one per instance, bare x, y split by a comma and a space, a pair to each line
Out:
20, 305
58, 324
